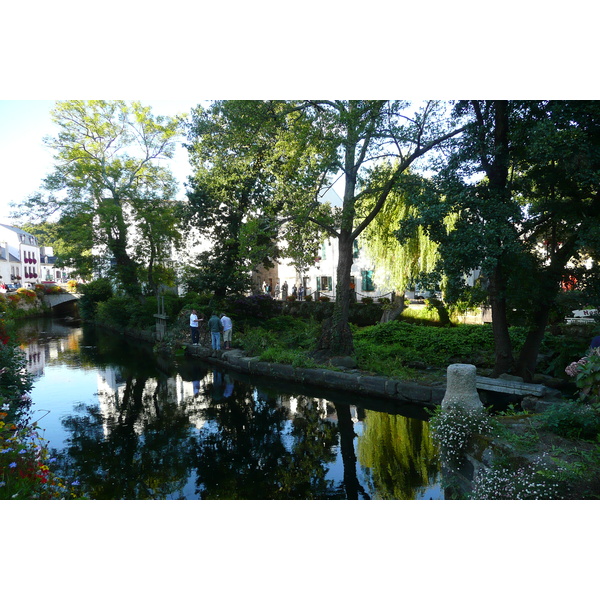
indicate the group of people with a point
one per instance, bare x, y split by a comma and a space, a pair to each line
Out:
216, 326
282, 292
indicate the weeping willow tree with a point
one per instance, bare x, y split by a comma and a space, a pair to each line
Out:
399, 454
399, 261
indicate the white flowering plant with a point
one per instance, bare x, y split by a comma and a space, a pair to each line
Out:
529, 481
454, 427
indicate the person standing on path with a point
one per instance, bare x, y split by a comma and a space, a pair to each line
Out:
215, 327
194, 322
227, 331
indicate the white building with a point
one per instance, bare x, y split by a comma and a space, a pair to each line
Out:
321, 278
19, 257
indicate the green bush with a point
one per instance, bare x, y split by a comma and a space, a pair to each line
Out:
572, 420
295, 358
93, 292
115, 311
432, 345
256, 340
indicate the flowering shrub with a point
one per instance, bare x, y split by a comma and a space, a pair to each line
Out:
25, 471
454, 427
72, 285
586, 372
24, 293
53, 290
531, 481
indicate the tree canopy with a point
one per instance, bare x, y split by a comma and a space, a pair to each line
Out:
107, 176
523, 182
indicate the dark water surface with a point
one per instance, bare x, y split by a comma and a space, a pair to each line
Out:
127, 424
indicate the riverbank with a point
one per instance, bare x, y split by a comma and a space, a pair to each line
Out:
346, 378
521, 449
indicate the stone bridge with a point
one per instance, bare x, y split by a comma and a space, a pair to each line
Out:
53, 300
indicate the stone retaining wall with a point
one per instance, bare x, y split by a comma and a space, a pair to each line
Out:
350, 380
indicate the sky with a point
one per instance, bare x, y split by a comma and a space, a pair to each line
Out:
25, 161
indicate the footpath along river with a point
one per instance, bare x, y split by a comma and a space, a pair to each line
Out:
127, 424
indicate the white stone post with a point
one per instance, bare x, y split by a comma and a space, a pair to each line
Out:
461, 387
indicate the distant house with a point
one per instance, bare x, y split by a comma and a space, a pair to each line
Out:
320, 279
23, 262
19, 256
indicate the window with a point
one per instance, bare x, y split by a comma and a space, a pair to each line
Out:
367, 281
324, 283
355, 249
323, 251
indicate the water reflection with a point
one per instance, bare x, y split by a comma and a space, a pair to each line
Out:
153, 428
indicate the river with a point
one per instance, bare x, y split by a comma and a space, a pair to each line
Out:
127, 424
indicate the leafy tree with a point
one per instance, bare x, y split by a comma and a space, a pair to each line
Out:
230, 146
523, 184
256, 170
71, 240
372, 144
107, 171
400, 260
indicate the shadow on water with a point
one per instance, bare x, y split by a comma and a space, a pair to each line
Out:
159, 428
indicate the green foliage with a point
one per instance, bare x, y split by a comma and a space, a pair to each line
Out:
15, 381
93, 292
108, 177
116, 311
282, 339
572, 420
399, 259
256, 340
296, 358
260, 306
587, 378
233, 196
432, 345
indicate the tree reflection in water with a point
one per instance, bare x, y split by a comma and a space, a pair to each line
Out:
159, 429
137, 452
247, 454
398, 454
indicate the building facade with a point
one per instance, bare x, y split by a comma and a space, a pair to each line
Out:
19, 257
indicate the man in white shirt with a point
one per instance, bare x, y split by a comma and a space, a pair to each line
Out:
227, 331
194, 328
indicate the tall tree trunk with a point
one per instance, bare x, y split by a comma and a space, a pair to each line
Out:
527, 360
504, 361
116, 233
496, 169
341, 336
347, 435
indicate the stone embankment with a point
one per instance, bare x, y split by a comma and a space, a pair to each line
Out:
344, 379
350, 380
538, 397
